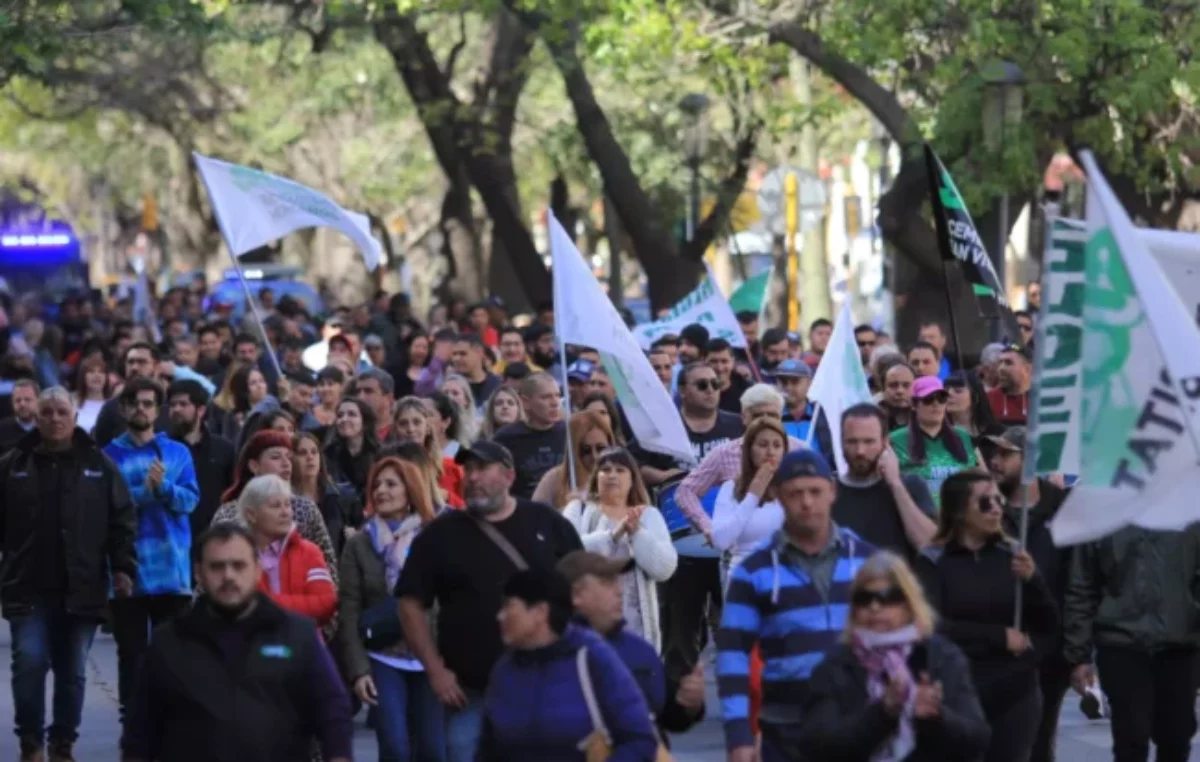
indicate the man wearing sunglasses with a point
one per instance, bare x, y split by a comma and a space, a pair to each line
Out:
162, 483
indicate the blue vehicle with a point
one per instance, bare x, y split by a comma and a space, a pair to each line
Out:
281, 279
47, 260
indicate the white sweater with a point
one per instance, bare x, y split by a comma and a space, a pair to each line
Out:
650, 547
738, 526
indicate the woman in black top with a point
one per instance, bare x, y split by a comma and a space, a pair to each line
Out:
353, 447
969, 573
968, 408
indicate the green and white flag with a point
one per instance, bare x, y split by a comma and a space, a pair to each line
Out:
751, 296
705, 305
1138, 458
840, 381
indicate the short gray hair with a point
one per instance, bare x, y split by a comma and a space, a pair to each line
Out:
258, 491
55, 394
762, 394
387, 384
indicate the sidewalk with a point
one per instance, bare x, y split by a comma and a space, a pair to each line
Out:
1080, 740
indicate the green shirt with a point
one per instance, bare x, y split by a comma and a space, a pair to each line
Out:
938, 465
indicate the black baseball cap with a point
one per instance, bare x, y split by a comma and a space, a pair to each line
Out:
484, 451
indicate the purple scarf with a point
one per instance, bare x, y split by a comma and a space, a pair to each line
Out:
884, 656
391, 540
269, 559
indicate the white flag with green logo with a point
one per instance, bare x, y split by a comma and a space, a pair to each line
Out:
840, 381
1138, 460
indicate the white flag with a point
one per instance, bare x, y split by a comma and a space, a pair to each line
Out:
705, 305
1141, 378
254, 208
584, 315
840, 381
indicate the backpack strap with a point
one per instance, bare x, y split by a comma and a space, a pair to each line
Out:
589, 692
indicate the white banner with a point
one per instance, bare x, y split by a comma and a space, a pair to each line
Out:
583, 315
1141, 379
705, 305
254, 208
840, 381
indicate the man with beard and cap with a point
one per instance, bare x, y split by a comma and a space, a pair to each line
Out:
460, 563
237, 677
66, 529
890, 510
213, 456
1043, 500
161, 480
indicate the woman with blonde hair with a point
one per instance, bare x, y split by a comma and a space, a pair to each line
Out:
412, 423
747, 510
465, 428
503, 407
617, 521
590, 436
893, 690
384, 672
970, 572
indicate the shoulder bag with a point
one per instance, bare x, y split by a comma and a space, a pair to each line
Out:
597, 747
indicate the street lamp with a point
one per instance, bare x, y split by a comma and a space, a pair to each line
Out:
695, 135
1002, 105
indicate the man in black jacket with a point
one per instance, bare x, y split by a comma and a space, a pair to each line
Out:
212, 456
236, 678
66, 519
24, 418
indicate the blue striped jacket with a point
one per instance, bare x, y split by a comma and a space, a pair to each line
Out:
773, 602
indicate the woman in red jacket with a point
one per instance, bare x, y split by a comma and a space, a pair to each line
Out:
294, 573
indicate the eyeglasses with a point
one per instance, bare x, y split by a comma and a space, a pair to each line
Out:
705, 385
144, 404
891, 596
937, 398
862, 344
987, 504
592, 450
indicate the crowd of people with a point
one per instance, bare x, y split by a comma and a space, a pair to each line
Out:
451, 525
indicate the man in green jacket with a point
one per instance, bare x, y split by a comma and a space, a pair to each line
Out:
1132, 597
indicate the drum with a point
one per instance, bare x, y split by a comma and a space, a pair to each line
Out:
687, 541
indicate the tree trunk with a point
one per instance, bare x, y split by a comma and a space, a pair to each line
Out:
461, 245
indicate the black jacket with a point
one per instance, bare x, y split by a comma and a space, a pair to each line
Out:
10, 433
974, 593
258, 688
842, 725
99, 525
214, 459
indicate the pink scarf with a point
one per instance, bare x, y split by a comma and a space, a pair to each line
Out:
884, 656
269, 559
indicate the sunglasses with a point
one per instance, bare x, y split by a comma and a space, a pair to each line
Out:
937, 398
862, 344
704, 386
592, 450
143, 404
891, 596
987, 504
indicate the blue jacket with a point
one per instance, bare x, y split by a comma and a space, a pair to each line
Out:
164, 536
534, 710
772, 602
650, 673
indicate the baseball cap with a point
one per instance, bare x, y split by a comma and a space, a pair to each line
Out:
484, 451
793, 369
580, 370
925, 386
580, 563
372, 341
516, 371
301, 376
1012, 440
497, 302
800, 463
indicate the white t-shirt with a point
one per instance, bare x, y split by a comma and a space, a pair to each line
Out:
89, 411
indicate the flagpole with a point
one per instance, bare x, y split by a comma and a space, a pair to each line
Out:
1029, 464
962, 361
262, 328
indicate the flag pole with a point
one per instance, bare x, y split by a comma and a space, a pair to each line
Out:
958, 353
1029, 462
262, 328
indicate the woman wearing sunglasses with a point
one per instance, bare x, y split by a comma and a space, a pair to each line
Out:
590, 435
970, 572
893, 689
931, 446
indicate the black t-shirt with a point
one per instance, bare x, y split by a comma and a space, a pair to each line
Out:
534, 452
484, 389
871, 512
455, 564
731, 397
727, 427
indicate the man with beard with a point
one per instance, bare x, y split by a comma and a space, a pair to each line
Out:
1014, 375
237, 677
774, 349
539, 340
66, 525
139, 361
890, 510
1053, 563
299, 402
213, 457
460, 563
162, 483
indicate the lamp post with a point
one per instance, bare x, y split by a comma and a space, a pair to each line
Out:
1002, 105
695, 135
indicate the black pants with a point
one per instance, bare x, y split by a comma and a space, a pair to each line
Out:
1014, 729
1152, 696
132, 620
1055, 678
693, 590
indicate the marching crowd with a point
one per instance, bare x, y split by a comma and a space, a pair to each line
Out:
288, 522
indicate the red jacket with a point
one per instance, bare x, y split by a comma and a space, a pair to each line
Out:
305, 586
452, 483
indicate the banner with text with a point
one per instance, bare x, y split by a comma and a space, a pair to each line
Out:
705, 305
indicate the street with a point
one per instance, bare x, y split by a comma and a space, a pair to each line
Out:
1079, 739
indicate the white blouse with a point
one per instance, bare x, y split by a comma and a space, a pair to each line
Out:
738, 526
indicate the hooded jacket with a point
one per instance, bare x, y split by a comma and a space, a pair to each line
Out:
164, 536
98, 521
534, 710
305, 584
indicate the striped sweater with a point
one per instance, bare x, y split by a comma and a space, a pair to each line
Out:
772, 602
